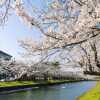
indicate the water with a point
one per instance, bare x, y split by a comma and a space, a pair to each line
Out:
69, 91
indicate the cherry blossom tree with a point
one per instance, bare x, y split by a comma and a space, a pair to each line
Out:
64, 25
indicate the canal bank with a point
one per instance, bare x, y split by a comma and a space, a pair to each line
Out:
92, 94
66, 91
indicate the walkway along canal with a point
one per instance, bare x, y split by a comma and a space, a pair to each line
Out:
68, 91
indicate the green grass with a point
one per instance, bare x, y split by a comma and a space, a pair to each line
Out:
16, 83
93, 94
34, 83
60, 81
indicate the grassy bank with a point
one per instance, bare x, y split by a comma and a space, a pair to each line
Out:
16, 83
34, 83
93, 94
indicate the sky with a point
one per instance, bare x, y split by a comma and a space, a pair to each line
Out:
15, 30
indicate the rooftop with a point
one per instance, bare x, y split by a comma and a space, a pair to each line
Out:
4, 55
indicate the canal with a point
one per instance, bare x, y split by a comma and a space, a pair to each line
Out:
68, 91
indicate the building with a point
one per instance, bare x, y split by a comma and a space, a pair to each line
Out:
5, 56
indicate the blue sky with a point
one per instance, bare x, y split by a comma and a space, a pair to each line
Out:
15, 30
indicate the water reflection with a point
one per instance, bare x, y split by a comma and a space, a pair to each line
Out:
67, 91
